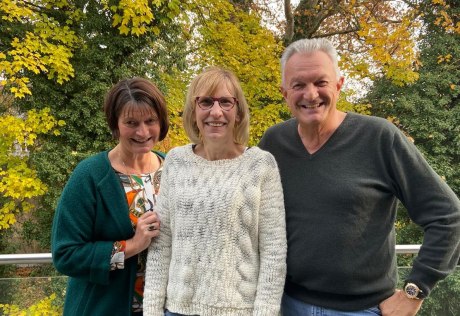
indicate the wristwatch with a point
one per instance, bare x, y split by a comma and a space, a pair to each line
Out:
412, 291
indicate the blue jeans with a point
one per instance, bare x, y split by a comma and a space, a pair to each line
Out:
293, 307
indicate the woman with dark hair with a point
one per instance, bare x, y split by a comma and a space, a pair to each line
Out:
105, 218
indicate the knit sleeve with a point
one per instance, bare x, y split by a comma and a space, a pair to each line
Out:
433, 206
272, 242
159, 253
75, 251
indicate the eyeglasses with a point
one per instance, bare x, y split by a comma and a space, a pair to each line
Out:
225, 103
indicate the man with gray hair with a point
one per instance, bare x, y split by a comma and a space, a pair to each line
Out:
342, 175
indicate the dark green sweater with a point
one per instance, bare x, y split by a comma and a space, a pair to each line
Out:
93, 213
341, 207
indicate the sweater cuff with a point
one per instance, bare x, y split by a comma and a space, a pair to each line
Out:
425, 281
266, 310
153, 311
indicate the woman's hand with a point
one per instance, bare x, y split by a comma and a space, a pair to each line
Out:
148, 227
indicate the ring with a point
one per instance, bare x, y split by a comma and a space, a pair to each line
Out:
151, 227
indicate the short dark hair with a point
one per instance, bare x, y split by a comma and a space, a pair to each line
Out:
135, 92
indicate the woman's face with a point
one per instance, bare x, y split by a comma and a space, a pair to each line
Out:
216, 124
139, 129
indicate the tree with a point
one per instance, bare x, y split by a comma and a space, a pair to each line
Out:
232, 34
116, 39
41, 36
428, 110
36, 38
233, 38
375, 38
18, 181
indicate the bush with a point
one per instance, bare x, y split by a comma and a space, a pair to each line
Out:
45, 307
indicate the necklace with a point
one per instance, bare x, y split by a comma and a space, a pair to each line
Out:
139, 173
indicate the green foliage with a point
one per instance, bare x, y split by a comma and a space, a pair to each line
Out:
18, 182
40, 41
427, 112
44, 307
344, 105
177, 86
104, 56
442, 300
263, 118
375, 39
234, 39
64, 56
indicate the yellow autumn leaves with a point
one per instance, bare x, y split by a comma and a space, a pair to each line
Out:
19, 183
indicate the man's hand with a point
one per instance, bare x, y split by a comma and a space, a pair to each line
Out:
400, 305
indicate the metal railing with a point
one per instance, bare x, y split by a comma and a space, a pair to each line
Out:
26, 258
407, 249
37, 258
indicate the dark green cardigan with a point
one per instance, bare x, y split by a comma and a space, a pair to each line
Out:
91, 214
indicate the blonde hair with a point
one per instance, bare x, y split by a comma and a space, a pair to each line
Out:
206, 83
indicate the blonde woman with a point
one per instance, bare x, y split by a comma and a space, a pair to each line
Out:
222, 246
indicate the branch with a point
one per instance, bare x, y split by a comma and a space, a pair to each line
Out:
33, 5
289, 21
347, 31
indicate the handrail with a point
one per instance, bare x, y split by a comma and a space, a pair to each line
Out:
407, 249
26, 258
38, 258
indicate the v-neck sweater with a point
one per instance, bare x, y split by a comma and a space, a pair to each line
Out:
341, 207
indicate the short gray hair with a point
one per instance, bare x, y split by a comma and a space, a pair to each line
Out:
308, 46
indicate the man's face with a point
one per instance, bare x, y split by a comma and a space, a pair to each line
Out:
311, 88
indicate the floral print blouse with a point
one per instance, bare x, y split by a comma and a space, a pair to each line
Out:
141, 192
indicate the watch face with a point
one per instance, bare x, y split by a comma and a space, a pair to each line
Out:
411, 290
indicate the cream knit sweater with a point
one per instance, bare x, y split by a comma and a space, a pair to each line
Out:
222, 247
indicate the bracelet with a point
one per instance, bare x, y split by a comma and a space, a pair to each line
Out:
119, 246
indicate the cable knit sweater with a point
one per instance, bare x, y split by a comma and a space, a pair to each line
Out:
222, 247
